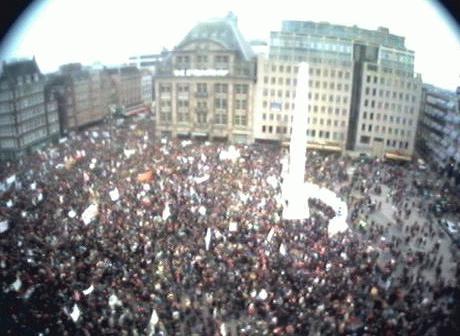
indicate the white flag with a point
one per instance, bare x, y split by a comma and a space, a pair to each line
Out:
89, 214
75, 315
114, 195
223, 329
201, 179
88, 290
262, 295
3, 226
152, 323
129, 152
207, 239
202, 210
283, 249
233, 227
166, 212
11, 179
270, 234
114, 301
17, 284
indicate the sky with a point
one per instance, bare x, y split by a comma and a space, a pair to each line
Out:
109, 31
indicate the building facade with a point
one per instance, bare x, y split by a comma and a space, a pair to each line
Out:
438, 140
28, 116
205, 87
80, 95
147, 87
364, 95
147, 62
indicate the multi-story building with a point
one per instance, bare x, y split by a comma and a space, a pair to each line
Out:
438, 140
205, 87
147, 87
128, 84
147, 62
364, 95
28, 117
79, 92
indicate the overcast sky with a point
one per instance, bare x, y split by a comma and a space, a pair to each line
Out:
109, 31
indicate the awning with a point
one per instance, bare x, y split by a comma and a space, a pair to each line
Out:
397, 156
200, 134
328, 147
136, 110
332, 148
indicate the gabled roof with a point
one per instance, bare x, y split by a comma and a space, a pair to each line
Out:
15, 69
223, 31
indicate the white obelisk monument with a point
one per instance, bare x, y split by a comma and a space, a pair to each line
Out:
294, 191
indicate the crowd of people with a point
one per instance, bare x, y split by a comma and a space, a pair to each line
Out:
115, 232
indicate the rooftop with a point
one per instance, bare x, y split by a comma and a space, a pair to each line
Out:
20, 68
223, 31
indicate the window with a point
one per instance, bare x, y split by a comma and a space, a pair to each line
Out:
365, 139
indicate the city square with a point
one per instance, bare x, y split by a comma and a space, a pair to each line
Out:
144, 253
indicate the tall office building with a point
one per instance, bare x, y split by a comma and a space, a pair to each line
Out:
205, 87
364, 94
28, 116
439, 129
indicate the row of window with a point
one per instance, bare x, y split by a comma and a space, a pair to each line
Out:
391, 118
313, 71
383, 130
326, 135
314, 121
278, 106
387, 106
316, 96
389, 94
203, 87
391, 82
202, 118
312, 84
202, 59
219, 103
366, 140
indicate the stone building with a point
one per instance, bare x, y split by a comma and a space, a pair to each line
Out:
28, 116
